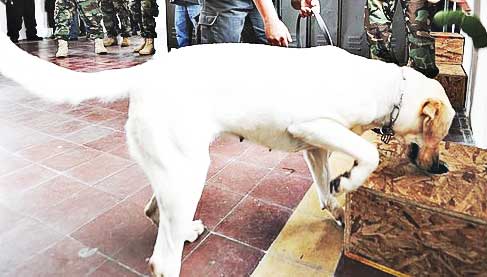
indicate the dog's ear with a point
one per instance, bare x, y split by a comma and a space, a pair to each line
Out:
431, 108
434, 121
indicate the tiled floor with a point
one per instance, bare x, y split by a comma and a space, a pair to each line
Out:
71, 199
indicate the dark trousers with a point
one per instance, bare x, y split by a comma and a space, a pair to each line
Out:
19, 11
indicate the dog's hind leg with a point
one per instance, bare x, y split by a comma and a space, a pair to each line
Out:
328, 134
177, 175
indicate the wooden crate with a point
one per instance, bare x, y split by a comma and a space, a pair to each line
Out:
410, 223
449, 47
454, 80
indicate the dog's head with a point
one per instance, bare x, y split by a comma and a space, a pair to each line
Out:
424, 120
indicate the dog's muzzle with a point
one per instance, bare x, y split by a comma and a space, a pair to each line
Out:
436, 166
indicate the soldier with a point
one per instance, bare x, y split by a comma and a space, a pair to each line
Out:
148, 9
91, 15
110, 9
378, 21
19, 11
136, 16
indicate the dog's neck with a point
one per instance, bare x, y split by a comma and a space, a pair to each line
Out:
385, 124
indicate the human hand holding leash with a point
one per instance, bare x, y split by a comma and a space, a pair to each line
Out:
304, 6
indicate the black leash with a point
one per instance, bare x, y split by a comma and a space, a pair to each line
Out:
321, 25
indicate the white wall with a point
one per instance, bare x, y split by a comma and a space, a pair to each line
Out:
41, 18
479, 87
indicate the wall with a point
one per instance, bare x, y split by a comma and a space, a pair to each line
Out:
41, 18
478, 85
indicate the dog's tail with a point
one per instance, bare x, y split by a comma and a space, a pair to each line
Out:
58, 84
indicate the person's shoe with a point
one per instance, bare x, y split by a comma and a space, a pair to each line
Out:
62, 49
125, 42
148, 47
34, 38
140, 47
99, 47
110, 41
14, 40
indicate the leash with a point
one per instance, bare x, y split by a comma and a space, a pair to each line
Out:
321, 25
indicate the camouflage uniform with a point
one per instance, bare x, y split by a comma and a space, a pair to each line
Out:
378, 22
89, 11
136, 13
112, 8
146, 10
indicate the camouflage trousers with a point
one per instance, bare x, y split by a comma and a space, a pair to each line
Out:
112, 8
88, 10
378, 22
147, 10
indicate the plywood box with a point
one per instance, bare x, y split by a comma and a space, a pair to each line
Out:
454, 80
449, 47
411, 223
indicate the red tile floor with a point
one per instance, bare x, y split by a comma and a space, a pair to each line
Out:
71, 199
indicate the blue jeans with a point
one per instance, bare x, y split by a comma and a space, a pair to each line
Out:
185, 23
74, 29
224, 20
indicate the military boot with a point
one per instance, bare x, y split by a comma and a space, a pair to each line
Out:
62, 49
140, 47
110, 41
148, 47
99, 47
125, 42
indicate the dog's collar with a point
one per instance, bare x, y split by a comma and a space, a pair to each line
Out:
387, 130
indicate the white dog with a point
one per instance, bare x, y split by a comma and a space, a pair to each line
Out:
261, 93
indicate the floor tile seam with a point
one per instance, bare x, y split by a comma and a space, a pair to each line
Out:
129, 164
65, 172
52, 123
238, 242
101, 212
16, 153
246, 195
26, 261
108, 258
197, 246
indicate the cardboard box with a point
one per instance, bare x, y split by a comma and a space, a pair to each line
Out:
410, 223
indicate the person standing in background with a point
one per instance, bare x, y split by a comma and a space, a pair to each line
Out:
379, 15
186, 14
91, 15
49, 6
19, 11
149, 10
110, 9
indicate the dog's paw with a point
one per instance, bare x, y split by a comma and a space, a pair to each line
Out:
196, 229
329, 202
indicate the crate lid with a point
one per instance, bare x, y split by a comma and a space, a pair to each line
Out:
463, 190
451, 70
447, 35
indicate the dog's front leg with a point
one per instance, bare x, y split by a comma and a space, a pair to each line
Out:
318, 164
317, 161
328, 134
